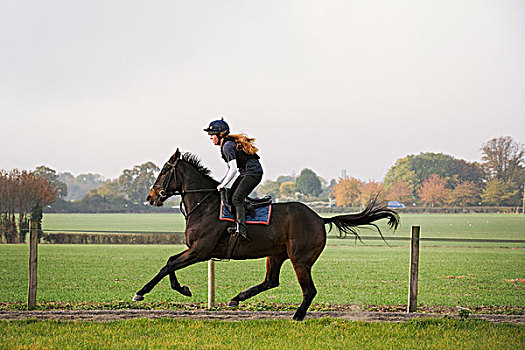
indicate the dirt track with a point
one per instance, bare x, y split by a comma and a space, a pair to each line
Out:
112, 315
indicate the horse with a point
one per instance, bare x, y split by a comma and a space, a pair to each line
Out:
295, 231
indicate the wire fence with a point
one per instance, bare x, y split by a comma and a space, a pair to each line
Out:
363, 238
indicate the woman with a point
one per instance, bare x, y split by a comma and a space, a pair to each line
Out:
239, 153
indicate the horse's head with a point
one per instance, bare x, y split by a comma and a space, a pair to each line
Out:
167, 183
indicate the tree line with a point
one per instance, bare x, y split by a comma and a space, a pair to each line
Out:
427, 179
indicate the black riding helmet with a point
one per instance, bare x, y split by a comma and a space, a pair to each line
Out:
218, 127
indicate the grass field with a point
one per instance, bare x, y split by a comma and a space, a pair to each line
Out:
366, 275
451, 274
477, 226
280, 334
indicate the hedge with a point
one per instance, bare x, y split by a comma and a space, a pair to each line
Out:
87, 238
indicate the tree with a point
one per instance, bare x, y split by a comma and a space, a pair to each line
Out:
285, 178
136, 182
464, 194
433, 191
371, 189
287, 189
20, 192
415, 169
52, 178
400, 191
308, 183
78, 186
269, 188
499, 192
504, 159
347, 192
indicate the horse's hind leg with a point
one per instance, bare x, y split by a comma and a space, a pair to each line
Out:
273, 269
304, 275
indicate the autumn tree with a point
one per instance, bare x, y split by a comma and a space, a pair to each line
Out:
465, 194
433, 191
499, 192
504, 159
287, 190
347, 192
370, 190
415, 169
269, 188
52, 178
20, 192
400, 191
504, 165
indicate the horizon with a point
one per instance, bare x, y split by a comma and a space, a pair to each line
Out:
264, 179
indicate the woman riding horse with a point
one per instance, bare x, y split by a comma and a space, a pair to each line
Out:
295, 231
238, 152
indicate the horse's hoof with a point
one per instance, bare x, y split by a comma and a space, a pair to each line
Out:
299, 316
138, 297
233, 303
186, 291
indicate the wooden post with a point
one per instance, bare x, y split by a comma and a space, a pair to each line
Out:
211, 284
33, 259
414, 269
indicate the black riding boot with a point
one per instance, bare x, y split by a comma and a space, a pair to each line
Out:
240, 219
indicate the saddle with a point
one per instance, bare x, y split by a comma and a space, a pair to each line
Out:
250, 203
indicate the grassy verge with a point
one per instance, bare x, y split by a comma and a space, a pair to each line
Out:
279, 334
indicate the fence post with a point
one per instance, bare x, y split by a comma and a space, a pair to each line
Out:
414, 269
211, 284
33, 259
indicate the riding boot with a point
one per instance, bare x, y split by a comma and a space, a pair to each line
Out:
241, 221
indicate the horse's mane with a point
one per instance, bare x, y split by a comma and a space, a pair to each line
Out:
194, 160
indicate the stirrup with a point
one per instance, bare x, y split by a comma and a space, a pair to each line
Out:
234, 231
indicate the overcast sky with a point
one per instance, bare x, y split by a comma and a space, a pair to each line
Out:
100, 86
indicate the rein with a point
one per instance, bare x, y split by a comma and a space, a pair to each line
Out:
183, 211
167, 180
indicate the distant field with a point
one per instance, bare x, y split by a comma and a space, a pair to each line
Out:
478, 226
115, 222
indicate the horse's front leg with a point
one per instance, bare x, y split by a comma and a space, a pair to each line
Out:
176, 262
174, 282
175, 285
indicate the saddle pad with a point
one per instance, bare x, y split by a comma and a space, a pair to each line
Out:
261, 216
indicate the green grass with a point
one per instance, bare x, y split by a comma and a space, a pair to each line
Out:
115, 222
477, 226
365, 275
279, 334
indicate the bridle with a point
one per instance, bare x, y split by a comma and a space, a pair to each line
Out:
165, 184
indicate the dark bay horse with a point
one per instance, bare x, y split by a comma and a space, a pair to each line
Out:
295, 231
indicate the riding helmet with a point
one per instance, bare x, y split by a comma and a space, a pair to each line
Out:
217, 127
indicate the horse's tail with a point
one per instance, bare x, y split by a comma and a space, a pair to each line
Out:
374, 211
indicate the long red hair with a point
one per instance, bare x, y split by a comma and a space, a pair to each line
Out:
245, 143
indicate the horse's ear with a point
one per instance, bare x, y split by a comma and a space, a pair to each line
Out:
177, 154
